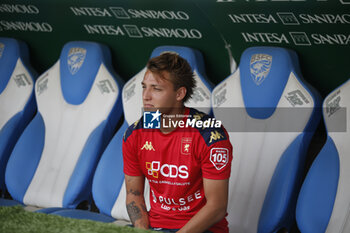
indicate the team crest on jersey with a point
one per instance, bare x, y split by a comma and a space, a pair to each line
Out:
219, 157
75, 59
260, 65
2, 48
186, 146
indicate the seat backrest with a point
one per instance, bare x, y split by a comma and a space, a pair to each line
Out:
109, 194
132, 93
17, 104
324, 199
270, 115
79, 105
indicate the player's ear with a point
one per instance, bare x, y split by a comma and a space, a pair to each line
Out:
181, 93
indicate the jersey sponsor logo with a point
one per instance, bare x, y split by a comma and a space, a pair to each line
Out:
151, 120
215, 135
186, 146
177, 203
219, 157
75, 59
260, 65
148, 146
155, 168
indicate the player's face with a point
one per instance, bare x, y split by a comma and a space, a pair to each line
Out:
159, 93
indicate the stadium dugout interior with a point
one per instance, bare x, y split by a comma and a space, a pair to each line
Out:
79, 105
271, 114
109, 193
323, 202
17, 103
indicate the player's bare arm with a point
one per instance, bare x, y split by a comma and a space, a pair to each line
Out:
216, 193
135, 202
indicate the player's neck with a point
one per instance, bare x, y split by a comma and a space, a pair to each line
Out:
176, 116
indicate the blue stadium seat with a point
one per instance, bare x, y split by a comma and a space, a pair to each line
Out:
79, 105
17, 103
108, 185
271, 115
324, 199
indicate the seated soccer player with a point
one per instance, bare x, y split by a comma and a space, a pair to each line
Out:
184, 154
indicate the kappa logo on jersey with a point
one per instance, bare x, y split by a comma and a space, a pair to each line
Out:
215, 136
219, 157
186, 146
2, 48
151, 120
75, 59
166, 170
148, 146
260, 65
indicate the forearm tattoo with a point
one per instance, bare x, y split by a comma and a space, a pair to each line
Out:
134, 192
133, 211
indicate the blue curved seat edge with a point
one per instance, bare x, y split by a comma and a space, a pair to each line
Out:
287, 217
280, 200
24, 158
8, 135
104, 189
96, 144
318, 192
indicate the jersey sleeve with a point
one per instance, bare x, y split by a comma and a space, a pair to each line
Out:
216, 156
130, 155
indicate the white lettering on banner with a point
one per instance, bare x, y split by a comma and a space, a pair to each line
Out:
265, 37
121, 13
17, 8
252, 18
104, 30
325, 19
300, 38
26, 26
165, 14
288, 18
335, 39
182, 33
90, 11
134, 32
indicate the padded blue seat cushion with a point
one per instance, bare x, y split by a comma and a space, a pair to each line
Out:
270, 115
79, 105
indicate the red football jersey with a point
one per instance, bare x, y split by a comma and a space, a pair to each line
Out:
174, 165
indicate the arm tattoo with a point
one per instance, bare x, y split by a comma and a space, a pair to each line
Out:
134, 192
133, 211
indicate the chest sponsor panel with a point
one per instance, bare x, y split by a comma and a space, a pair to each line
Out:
183, 202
